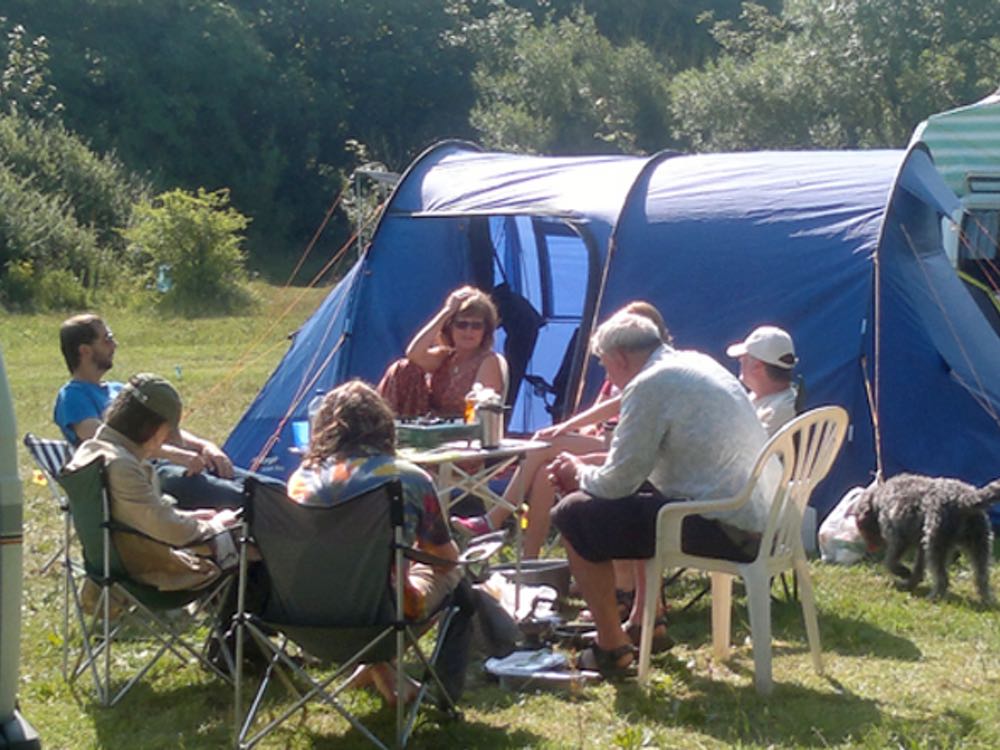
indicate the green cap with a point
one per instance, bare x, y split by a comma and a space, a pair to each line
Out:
157, 395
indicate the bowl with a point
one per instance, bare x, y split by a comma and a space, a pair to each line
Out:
551, 572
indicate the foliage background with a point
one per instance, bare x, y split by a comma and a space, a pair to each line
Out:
278, 101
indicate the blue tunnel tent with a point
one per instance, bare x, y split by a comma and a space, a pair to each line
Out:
830, 245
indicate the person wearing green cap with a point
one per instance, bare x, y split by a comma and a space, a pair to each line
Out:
176, 549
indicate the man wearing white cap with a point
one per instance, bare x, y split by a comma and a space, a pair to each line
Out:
767, 357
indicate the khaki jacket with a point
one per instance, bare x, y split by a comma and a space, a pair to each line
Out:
181, 557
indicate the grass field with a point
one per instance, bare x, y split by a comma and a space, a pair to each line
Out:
902, 672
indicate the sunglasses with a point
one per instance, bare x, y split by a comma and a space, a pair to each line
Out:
464, 325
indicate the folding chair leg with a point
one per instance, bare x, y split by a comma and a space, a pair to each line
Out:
88, 656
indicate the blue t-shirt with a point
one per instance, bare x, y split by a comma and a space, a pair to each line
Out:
79, 400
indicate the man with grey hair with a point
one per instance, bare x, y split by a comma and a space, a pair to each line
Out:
687, 431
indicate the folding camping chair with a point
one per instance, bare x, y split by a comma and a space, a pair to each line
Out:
329, 570
89, 507
50, 456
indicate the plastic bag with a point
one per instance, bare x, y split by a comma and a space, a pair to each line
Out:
840, 542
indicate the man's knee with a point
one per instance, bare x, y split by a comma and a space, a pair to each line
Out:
567, 511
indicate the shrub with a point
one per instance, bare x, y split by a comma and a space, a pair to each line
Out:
38, 236
196, 238
60, 207
97, 189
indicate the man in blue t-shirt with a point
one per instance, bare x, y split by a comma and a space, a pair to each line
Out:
196, 471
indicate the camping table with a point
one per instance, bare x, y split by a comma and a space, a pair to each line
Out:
468, 467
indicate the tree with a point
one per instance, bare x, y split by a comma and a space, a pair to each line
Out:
668, 28
60, 202
190, 245
563, 88
840, 74
24, 85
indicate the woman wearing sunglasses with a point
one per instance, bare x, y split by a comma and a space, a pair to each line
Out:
446, 358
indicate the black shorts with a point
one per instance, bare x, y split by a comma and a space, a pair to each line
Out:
625, 529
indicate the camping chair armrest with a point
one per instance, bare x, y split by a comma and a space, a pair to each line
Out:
204, 539
478, 552
427, 558
670, 518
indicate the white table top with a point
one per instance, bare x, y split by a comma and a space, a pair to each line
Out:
463, 450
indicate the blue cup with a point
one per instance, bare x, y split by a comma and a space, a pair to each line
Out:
300, 433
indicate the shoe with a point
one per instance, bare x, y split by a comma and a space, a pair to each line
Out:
661, 638
607, 661
623, 599
472, 526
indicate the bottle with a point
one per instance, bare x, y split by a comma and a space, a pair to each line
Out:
471, 399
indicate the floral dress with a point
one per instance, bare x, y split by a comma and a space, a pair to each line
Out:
411, 392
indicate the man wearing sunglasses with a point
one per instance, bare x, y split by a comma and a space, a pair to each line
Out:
192, 469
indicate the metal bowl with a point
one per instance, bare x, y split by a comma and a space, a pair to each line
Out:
551, 572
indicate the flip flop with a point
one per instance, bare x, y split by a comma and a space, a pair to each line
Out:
661, 640
606, 661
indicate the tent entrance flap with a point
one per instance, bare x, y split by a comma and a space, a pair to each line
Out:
554, 266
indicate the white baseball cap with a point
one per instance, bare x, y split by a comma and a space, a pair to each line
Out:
769, 344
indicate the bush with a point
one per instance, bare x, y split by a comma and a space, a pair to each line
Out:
195, 238
97, 189
38, 236
60, 207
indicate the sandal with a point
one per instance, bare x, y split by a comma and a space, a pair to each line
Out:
624, 599
661, 638
606, 661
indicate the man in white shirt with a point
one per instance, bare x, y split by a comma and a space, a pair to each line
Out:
687, 431
766, 361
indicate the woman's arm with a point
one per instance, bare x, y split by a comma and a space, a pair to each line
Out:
599, 412
491, 374
447, 551
425, 350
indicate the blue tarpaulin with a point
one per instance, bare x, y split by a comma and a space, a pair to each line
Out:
816, 242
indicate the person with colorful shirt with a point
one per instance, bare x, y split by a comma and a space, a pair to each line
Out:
351, 451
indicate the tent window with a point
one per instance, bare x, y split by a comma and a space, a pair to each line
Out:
567, 298
980, 235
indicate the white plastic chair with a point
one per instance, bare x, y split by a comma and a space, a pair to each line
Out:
806, 448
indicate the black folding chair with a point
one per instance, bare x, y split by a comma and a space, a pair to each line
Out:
329, 570
142, 605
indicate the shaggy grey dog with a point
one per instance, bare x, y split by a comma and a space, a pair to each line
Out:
935, 515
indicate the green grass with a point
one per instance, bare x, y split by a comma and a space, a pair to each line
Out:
902, 672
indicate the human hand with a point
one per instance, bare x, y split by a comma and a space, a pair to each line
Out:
226, 518
194, 463
217, 461
552, 431
564, 473
456, 298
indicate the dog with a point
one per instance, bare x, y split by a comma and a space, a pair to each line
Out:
936, 515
